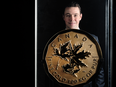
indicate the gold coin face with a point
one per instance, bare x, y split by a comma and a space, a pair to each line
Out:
72, 57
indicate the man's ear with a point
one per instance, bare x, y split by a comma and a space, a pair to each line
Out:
81, 16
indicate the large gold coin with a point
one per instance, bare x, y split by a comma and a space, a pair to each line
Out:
71, 57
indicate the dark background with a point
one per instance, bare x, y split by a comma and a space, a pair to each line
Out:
48, 24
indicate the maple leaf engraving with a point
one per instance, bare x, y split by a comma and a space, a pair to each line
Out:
67, 51
62, 51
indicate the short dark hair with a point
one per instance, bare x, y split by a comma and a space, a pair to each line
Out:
72, 3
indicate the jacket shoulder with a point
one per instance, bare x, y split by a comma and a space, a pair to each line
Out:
95, 37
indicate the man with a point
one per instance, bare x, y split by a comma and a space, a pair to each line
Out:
72, 17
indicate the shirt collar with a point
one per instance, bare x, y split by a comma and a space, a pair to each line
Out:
75, 29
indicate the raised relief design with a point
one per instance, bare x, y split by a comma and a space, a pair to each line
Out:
67, 52
71, 58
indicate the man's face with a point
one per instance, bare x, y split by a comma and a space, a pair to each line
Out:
72, 17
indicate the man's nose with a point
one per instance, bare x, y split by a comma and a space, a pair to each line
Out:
72, 18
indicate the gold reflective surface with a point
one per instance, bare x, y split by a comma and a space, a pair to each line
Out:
72, 58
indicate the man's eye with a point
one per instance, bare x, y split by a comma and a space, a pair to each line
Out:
75, 15
67, 15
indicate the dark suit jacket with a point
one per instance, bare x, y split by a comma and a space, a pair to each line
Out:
99, 80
